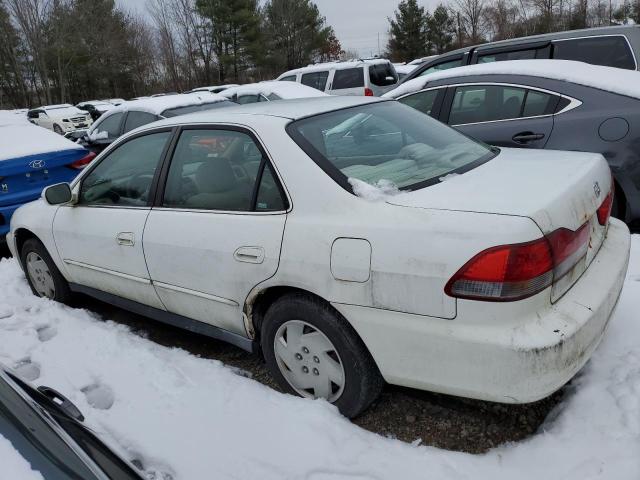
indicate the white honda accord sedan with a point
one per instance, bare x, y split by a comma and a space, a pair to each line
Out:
351, 241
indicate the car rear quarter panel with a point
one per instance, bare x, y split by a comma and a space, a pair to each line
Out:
414, 251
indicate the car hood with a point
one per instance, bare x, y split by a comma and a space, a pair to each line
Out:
554, 188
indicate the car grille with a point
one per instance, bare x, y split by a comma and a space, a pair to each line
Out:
79, 119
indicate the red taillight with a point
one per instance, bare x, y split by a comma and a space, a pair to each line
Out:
604, 210
83, 162
368, 92
513, 272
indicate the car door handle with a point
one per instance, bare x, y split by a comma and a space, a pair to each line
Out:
126, 238
249, 254
524, 137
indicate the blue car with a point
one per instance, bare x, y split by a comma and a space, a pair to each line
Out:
32, 158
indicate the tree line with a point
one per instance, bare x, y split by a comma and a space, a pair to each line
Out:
65, 51
415, 32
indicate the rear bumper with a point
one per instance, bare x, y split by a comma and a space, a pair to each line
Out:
510, 359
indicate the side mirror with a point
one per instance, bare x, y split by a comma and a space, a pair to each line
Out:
57, 194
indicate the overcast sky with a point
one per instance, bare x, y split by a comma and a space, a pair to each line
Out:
356, 22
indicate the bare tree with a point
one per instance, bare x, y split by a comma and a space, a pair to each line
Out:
471, 19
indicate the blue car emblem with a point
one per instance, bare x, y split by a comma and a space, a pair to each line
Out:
36, 163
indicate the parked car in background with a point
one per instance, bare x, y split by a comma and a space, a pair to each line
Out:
115, 101
135, 113
95, 108
62, 119
617, 46
361, 77
47, 430
214, 88
550, 104
32, 158
269, 91
414, 254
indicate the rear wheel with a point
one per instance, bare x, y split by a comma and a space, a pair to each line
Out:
57, 129
43, 276
313, 352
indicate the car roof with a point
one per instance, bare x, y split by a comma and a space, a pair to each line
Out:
157, 105
627, 82
287, 109
285, 90
335, 65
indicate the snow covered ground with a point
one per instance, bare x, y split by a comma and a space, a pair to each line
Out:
196, 418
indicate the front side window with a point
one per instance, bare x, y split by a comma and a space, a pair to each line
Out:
485, 103
386, 141
290, 78
610, 51
421, 101
219, 170
244, 99
442, 66
382, 74
317, 80
110, 125
138, 119
348, 78
124, 177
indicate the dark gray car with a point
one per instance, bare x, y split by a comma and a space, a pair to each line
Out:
617, 46
533, 111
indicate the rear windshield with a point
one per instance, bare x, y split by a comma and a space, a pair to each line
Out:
174, 112
382, 74
386, 141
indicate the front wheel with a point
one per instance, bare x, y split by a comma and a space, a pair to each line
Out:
43, 276
313, 352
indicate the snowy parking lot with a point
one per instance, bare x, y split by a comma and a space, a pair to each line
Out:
193, 417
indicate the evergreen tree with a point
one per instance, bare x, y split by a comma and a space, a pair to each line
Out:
441, 29
408, 32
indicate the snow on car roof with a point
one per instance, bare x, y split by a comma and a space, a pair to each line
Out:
335, 66
19, 139
610, 79
407, 69
284, 90
157, 105
290, 109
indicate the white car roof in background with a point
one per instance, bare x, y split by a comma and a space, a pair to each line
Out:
610, 79
407, 69
321, 67
285, 90
19, 138
288, 109
213, 87
421, 60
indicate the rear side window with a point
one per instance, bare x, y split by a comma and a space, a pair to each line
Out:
486, 103
243, 99
111, 125
538, 103
290, 78
421, 101
441, 66
502, 56
348, 78
138, 119
610, 51
317, 80
382, 74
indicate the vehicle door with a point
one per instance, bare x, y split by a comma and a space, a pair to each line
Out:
317, 80
427, 101
347, 81
501, 114
137, 119
100, 237
44, 120
217, 226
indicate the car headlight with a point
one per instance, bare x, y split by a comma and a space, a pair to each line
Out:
65, 120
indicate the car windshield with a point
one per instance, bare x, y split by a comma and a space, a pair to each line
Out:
37, 439
386, 141
174, 112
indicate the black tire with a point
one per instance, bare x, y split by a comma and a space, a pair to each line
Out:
363, 381
57, 129
62, 293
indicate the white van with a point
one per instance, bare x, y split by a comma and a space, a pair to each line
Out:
359, 77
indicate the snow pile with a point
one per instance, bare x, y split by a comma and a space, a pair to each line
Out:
609, 79
284, 90
14, 467
195, 418
378, 192
21, 139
